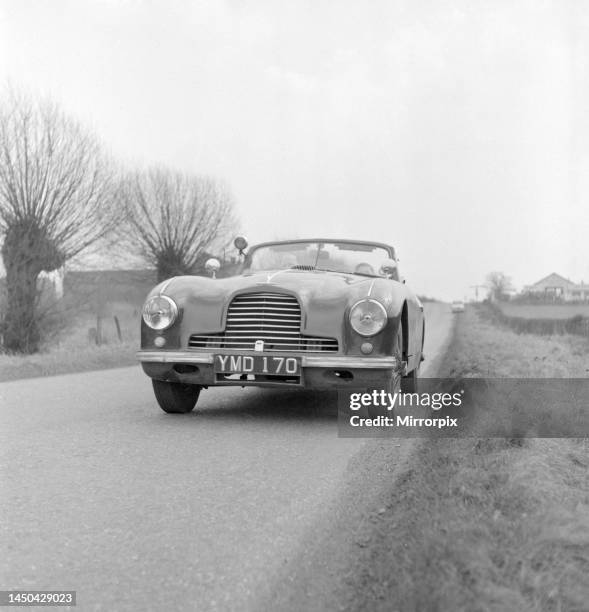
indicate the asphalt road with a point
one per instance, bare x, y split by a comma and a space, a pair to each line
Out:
103, 493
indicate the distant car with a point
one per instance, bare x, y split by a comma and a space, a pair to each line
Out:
457, 306
318, 314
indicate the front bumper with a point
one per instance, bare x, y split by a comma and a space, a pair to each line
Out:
317, 371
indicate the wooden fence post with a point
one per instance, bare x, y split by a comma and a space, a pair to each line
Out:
118, 326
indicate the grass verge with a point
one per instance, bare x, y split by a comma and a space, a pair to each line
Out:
485, 524
484, 349
66, 360
75, 350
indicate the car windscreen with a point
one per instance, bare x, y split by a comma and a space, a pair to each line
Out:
355, 258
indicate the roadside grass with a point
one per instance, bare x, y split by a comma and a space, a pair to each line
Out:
482, 349
73, 348
525, 319
486, 524
67, 361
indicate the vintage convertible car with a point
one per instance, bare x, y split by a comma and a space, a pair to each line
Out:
319, 313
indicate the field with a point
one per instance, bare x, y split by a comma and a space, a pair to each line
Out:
485, 349
92, 290
544, 311
485, 524
83, 333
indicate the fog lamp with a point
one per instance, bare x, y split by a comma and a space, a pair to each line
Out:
366, 348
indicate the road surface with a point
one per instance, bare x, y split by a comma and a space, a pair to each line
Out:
103, 493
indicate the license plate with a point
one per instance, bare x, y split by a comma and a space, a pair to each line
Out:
257, 364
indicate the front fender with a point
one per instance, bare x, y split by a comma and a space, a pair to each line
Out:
392, 295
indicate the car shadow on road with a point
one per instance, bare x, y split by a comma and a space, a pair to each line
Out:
270, 405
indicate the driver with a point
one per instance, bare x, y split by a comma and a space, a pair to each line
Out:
364, 268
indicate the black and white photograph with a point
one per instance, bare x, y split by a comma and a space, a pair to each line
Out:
294, 305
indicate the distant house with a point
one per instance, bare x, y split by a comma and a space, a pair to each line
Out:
580, 293
51, 283
557, 287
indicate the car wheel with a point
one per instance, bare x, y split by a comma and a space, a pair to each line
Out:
175, 398
391, 384
409, 383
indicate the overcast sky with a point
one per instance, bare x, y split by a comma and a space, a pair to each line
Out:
455, 130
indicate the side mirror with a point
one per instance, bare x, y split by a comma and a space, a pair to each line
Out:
212, 266
240, 244
388, 268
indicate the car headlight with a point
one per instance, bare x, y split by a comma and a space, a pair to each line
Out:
159, 312
368, 317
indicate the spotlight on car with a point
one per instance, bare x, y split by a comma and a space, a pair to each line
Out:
240, 243
212, 266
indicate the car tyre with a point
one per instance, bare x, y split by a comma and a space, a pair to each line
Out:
393, 383
409, 383
175, 398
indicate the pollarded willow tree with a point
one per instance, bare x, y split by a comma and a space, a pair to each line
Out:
57, 197
175, 219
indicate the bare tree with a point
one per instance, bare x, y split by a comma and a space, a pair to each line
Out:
173, 219
56, 199
498, 285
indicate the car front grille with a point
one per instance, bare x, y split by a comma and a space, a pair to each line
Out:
274, 318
